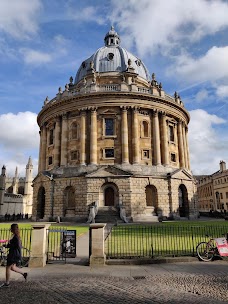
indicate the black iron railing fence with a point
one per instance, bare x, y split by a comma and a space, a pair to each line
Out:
137, 241
25, 235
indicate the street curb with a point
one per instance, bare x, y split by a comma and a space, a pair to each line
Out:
150, 261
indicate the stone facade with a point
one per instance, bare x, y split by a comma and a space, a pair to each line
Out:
114, 135
16, 194
213, 190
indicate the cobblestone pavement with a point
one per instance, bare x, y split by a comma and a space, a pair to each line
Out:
169, 283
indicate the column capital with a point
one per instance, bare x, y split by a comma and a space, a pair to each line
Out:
163, 113
93, 109
124, 108
155, 112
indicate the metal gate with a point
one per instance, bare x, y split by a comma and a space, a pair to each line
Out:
61, 244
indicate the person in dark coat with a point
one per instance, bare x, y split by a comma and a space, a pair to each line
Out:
14, 255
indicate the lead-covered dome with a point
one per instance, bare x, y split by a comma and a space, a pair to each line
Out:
112, 58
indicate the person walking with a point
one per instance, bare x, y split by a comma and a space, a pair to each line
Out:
14, 255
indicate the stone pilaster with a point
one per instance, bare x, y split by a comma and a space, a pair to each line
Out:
93, 137
57, 143
40, 152
125, 152
164, 139
83, 139
135, 139
180, 144
156, 137
64, 138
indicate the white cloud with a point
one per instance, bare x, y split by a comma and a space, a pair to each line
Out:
34, 57
202, 95
19, 18
88, 14
207, 146
19, 139
210, 67
222, 91
162, 25
19, 131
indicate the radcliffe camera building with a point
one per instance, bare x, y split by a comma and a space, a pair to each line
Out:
113, 136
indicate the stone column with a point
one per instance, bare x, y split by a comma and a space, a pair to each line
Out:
64, 138
125, 152
93, 137
185, 146
57, 143
83, 139
40, 151
43, 140
156, 136
97, 256
180, 144
135, 138
38, 245
188, 154
165, 152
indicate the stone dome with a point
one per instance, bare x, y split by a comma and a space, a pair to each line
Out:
112, 58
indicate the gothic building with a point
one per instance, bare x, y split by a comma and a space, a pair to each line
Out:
114, 136
16, 193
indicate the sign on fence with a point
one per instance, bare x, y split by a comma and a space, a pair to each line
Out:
69, 243
222, 246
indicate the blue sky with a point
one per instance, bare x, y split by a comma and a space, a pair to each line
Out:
185, 43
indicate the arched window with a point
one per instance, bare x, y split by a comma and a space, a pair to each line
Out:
145, 129
69, 195
21, 190
74, 130
10, 189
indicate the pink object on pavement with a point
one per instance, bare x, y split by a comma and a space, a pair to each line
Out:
3, 241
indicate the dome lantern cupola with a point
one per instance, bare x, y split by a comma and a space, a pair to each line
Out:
112, 38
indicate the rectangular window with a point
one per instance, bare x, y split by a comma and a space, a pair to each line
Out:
171, 133
74, 155
226, 194
109, 153
221, 196
109, 127
50, 160
146, 154
173, 157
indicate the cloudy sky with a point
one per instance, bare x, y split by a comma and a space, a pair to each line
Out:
185, 43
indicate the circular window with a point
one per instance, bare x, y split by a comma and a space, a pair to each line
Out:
110, 56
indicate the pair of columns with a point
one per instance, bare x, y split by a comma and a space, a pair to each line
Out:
160, 140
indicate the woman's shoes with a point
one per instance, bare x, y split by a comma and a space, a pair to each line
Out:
4, 285
25, 275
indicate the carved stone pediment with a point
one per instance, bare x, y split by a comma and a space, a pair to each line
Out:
109, 171
181, 174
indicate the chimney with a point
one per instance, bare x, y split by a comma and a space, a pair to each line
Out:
222, 166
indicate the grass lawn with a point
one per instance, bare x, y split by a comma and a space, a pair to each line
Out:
161, 239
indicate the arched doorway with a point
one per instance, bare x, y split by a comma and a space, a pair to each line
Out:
69, 200
41, 203
152, 197
109, 196
183, 201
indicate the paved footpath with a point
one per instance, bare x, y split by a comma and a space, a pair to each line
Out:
194, 282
